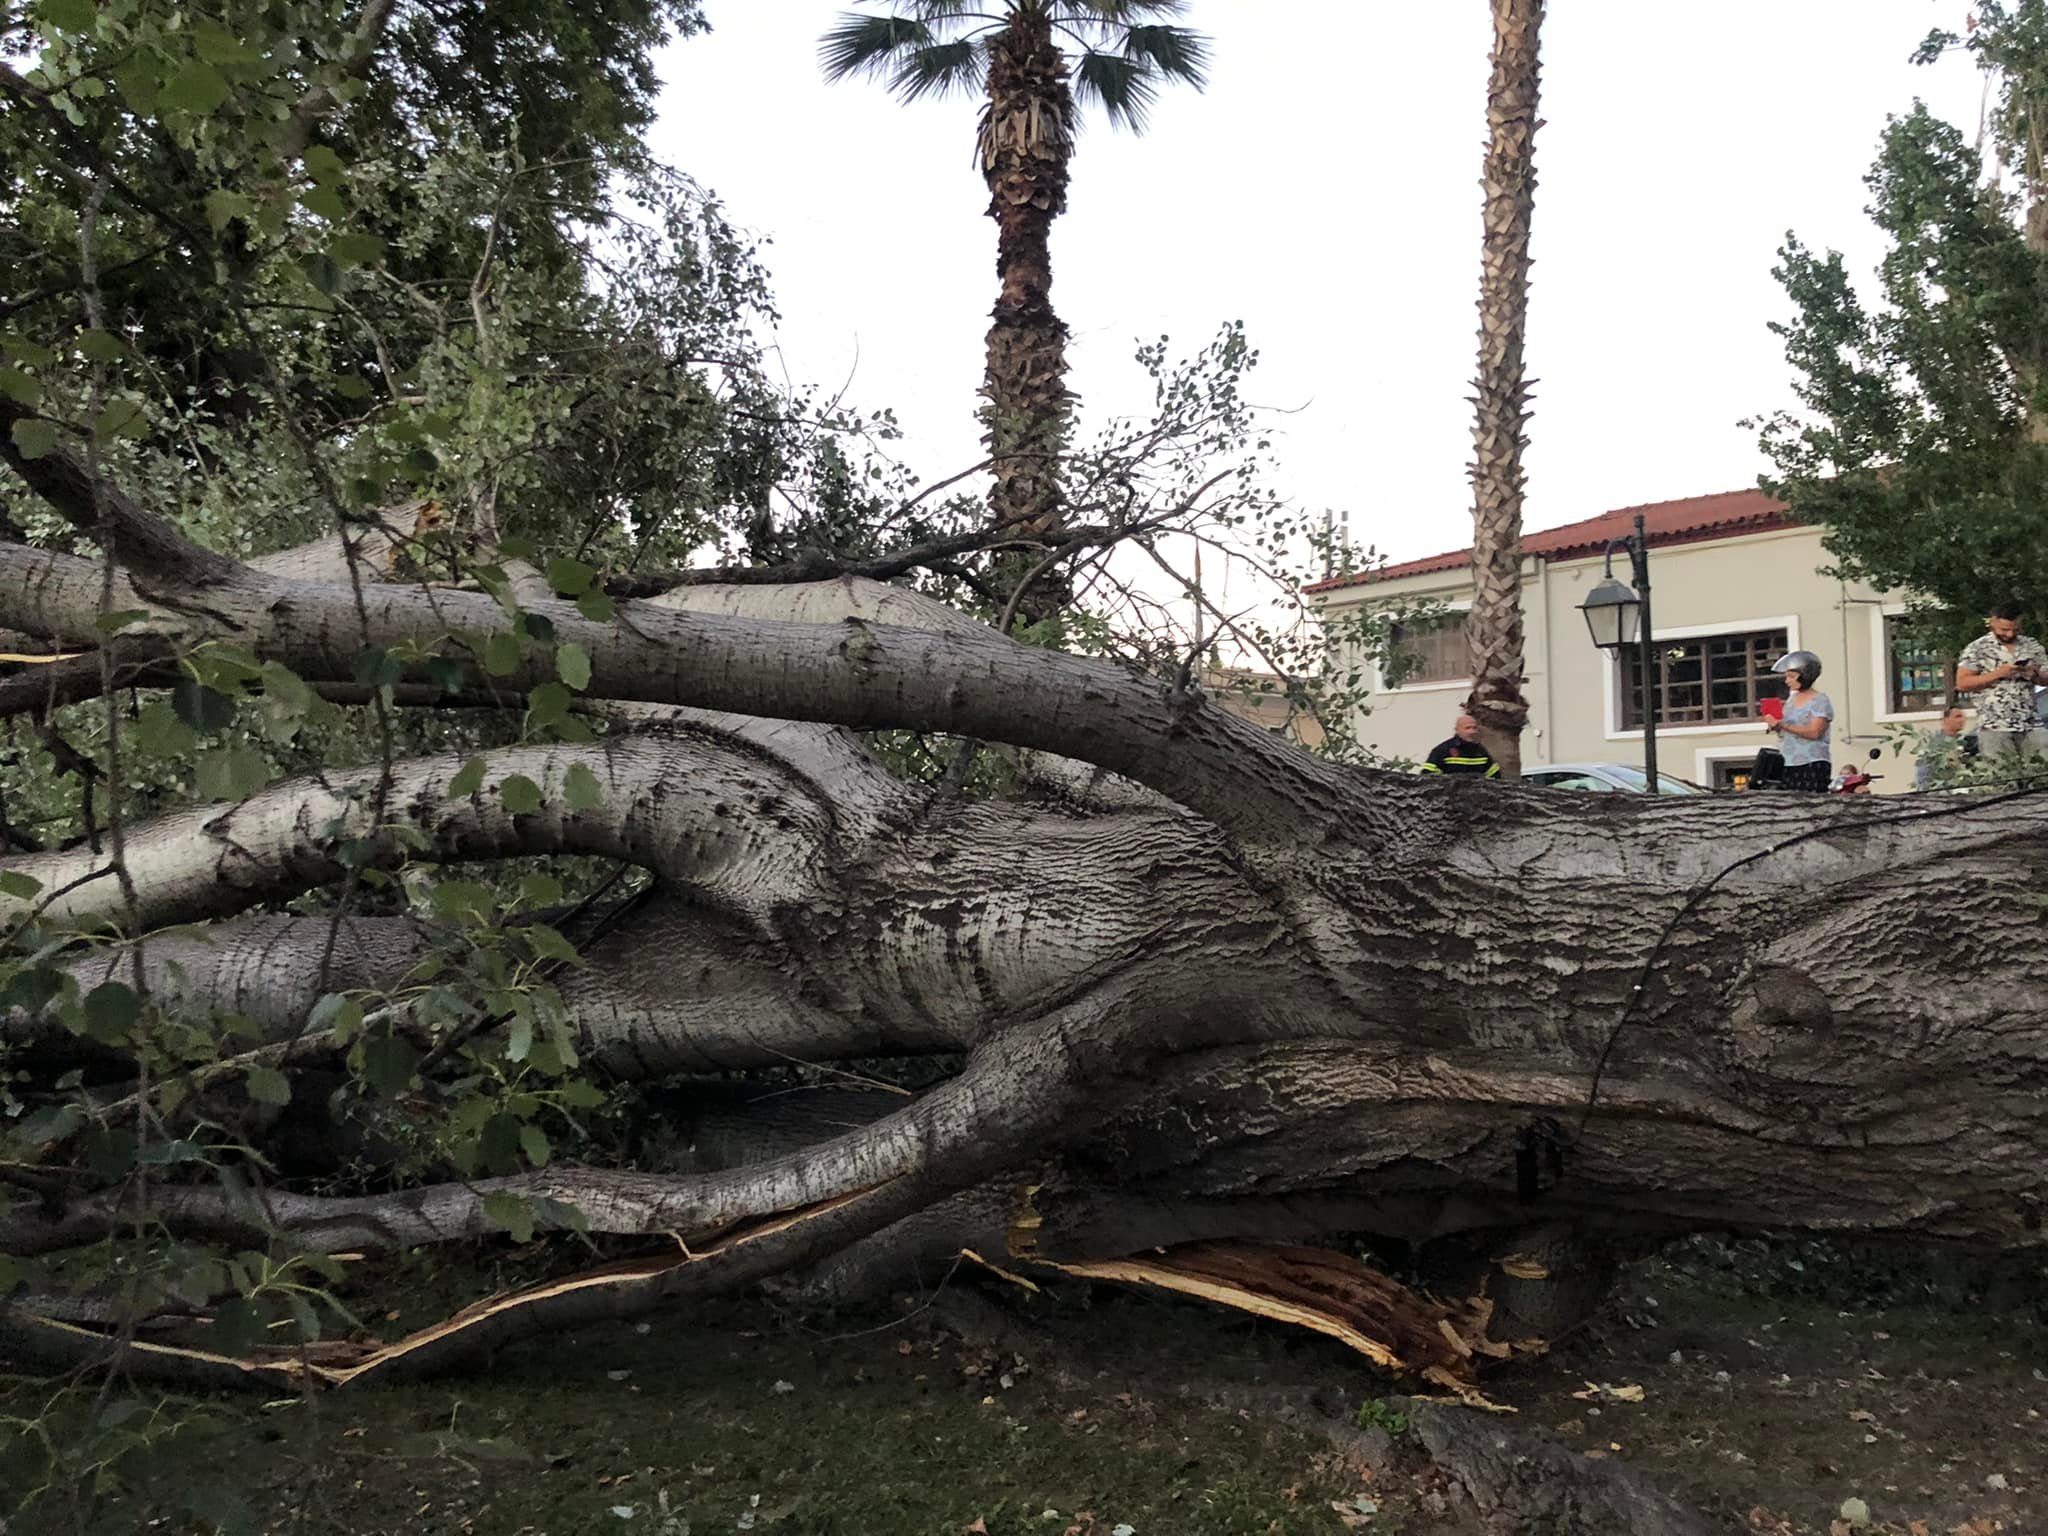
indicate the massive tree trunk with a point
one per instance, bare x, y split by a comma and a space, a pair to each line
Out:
1026, 141
1494, 627
1204, 986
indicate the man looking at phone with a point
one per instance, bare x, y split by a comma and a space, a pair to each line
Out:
1999, 670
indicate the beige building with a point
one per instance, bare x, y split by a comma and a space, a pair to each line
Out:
1734, 585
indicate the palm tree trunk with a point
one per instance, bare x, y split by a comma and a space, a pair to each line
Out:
1494, 628
1026, 140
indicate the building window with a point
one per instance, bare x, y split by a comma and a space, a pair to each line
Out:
1917, 674
1430, 650
1707, 680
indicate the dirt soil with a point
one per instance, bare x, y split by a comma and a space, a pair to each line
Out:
1777, 1382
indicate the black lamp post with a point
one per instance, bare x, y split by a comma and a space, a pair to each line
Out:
1618, 616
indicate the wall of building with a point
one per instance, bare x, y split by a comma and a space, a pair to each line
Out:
1757, 581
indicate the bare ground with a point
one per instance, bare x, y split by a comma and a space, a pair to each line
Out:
1777, 1382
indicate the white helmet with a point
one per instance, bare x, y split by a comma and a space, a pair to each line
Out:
1805, 663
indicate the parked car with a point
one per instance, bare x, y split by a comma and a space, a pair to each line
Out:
1604, 776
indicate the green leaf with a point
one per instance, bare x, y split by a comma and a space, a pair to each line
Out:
468, 780
286, 687
21, 388
121, 418
326, 202
230, 773
53, 1122
102, 346
549, 702
388, 1064
110, 1011
521, 795
353, 386
501, 655
464, 899
223, 205
510, 1212
67, 15
578, 1094
25, 353
321, 271
539, 890
572, 663
206, 710
267, 1085
158, 730
356, 249
548, 944
197, 88
421, 462
137, 80
34, 437
533, 1141
519, 1037
237, 1326
22, 887
580, 787
569, 577
324, 165
113, 623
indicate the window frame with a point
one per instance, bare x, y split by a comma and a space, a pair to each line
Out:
1440, 622
1689, 703
1890, 703
1611, 673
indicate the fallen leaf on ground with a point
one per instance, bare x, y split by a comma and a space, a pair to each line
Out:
1607, 1392
979, 1528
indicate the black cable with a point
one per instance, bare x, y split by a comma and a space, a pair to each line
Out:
1702, 891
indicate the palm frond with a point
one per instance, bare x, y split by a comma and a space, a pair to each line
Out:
961, 65
871, 45
1121, 12
1125, 88
1174, 53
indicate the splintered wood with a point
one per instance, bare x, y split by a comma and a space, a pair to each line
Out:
1331, 1293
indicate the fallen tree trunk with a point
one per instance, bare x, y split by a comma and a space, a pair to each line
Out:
1247, 991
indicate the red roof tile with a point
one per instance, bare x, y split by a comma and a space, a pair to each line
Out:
1693, 520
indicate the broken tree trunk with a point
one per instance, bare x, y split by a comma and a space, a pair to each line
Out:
1215, 988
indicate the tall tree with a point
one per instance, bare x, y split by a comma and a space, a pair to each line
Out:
1501, 395
1034, 62
1922, 442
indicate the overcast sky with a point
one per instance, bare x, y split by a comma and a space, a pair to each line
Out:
1325, 191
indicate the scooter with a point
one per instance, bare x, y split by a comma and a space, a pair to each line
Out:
1856, 781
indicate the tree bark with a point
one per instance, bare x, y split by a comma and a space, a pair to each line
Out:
1026, 140
1259, 995
1494, 626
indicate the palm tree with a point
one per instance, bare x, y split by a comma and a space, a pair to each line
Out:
1031, 61
1494, 627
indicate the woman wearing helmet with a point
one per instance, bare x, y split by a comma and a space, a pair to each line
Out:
1809, 717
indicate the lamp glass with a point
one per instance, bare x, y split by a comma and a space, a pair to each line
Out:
1614, 614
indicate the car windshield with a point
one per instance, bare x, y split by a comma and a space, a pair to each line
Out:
1633, 778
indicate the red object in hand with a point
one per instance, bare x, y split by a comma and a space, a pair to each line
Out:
1772, 709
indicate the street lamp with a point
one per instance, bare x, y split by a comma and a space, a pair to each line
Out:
1618, 616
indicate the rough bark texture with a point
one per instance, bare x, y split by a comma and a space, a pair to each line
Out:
1221, 990
1494, 626
1026, 141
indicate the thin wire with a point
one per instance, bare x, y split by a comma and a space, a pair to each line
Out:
1703, 890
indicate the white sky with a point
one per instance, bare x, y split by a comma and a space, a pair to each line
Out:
1325, 191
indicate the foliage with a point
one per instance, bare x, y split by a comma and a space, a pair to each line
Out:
1922, 442
936, 47
286, 277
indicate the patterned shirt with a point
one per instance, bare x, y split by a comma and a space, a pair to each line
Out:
2006, 706
1797, 749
